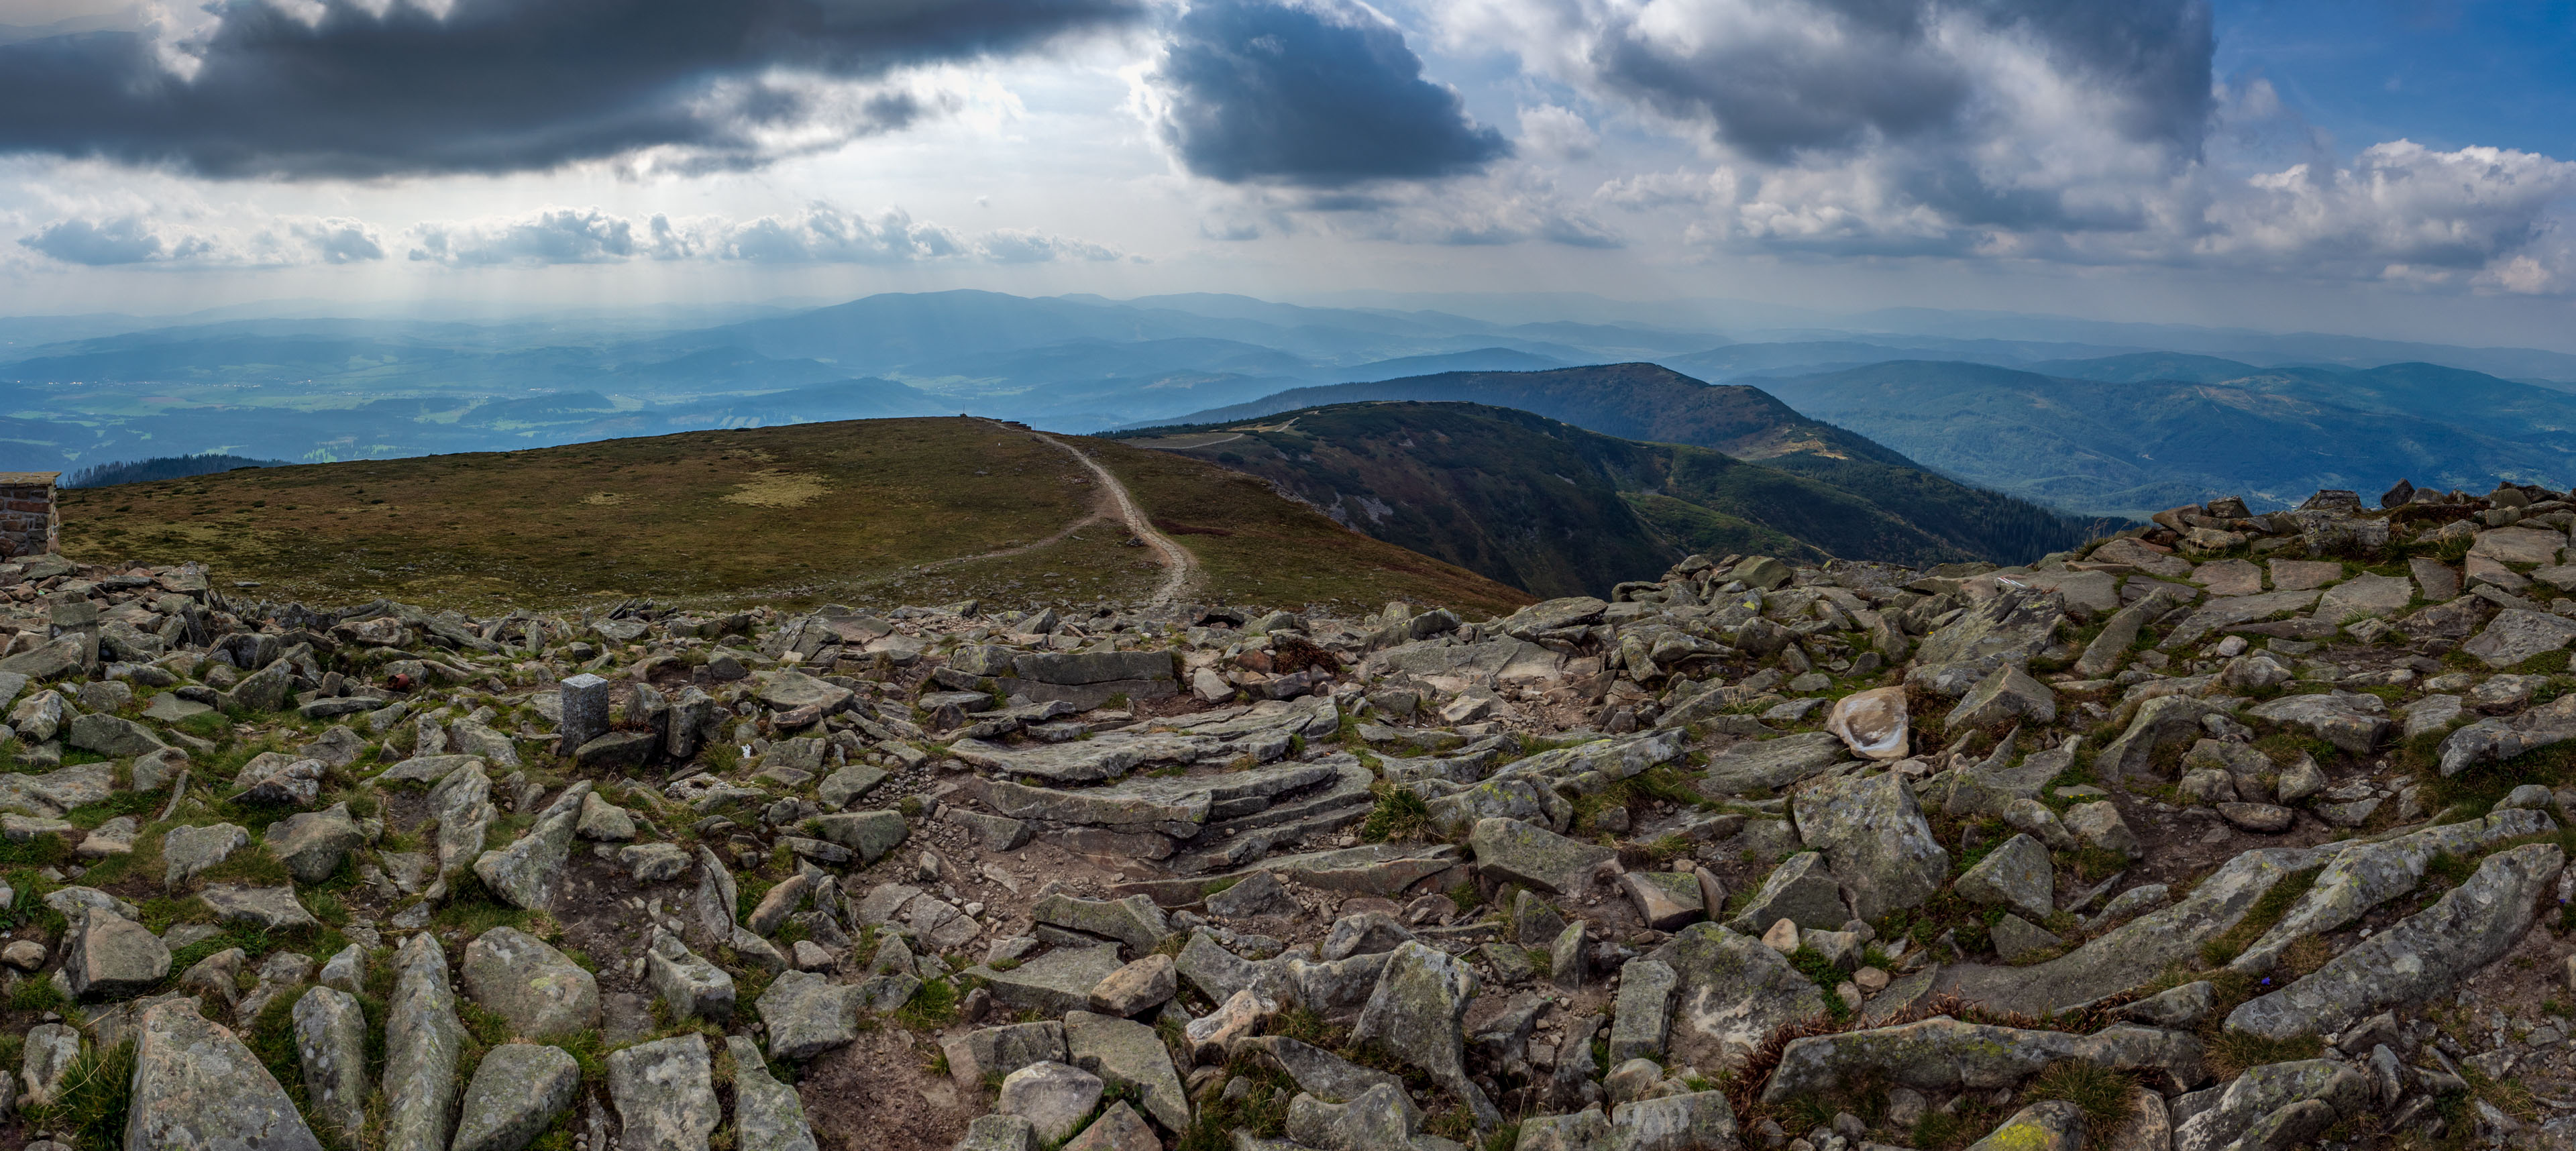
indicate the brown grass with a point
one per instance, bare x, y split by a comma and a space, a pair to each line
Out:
810, 513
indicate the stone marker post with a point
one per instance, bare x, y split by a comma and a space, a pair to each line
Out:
585, 711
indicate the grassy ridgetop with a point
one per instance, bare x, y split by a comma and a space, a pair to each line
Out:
798, 514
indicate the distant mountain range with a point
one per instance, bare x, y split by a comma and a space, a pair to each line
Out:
2131, 435
275, 381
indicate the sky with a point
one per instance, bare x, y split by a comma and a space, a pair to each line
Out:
2378, 167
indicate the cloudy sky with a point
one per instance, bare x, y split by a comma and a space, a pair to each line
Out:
2373, 166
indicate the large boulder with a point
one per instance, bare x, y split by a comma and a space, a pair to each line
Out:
2514, 635
331, 1044
807, 1015
112, 736
1803, 890
108, 956
423, 1042
1944, 1055
1874, 836
526, 872
2011, 627
313, 844
2016, 875
1511, 851
1125, 1053
665, 1094
538, 990
688, 985
767, 1115
1772, 764
516, 1093
1134, 921
1416, 1009
1730, 994
198, 1086
2469, 927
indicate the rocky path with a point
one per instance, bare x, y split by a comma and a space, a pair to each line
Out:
1178, 564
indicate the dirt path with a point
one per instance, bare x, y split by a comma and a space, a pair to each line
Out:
1179, 566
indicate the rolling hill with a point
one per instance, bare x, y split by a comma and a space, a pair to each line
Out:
1543, 505
2133, 439
869, 512
1653, 403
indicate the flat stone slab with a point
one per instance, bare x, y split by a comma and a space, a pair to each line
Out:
1772, 764
2365, 595
2469, 927
1176, 807
2236, 611
1511, 851
2303, 575
1056, 982
2229, 578
2519, 545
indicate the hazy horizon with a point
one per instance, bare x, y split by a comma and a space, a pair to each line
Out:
2392, 168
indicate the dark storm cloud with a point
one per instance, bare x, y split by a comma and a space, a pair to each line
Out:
1833, 75
1319, 94
498, 85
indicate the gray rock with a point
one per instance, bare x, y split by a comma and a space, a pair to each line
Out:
807, 1015
1731, 993
604, 821
108, 956
423, 1041
849, 783
540, 991
2098, 824
1259, 893
1054, 1097
1641, 1018
526, 873
2333, 718
1134, 921
1119, 1128
998, 1133
2049, 1125
516, 1093
1416, 1010
2011, 627
1365, 933
2159, 722
196, 1086
767, 1115
2466, 929
186, 851
1874, 837
268, 908
1690, 1120
690, 986
869, 833
313, 844
1772, 764
1942, 1054
1511, 851
654, 862
111, 735
1130, 990
1381, 1119
993, 1052
1665, 900
51, 1049
331, 1043
665, 1094
2514, 635
1128, 1054
1056, 982
2180, 1007
2009, 696
1321, 1073
1802, 890
274, 777
2016, 939
2266, 1089
2016, 875
2365, 596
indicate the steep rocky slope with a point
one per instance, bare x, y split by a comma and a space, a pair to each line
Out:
2236, 831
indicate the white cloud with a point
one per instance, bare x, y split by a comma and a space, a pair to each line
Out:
249, 240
